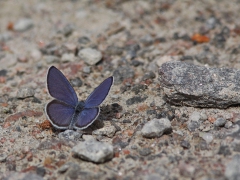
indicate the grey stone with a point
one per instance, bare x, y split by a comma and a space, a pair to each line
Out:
76, 82
220, 122
90, 56
114, 50
93, 151
107, 130
195, 116
232, 171
49, 59
192, 125
228, 124
156, 128
25, 92
198, 86
68, 57
87, 69
23, 25
3, 157
70, 134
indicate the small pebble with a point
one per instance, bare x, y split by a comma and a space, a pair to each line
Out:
228, 124
90, 56
49, 59
224, 150
220, 122
25, 92
70, 134
195, 116
68, 57
185, 144
208, 137
87, 69
149, 75
23, 25
144, 151
3, 157
76, 82
156, 128
93, 151
136, 100
107, 130
83, 40
192, 125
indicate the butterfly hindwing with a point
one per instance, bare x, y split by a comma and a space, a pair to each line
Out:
100, 93
59, 114
60, 88
86, 117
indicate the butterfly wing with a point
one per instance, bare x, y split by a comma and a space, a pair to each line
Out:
86, 118
60, 88
99, 94
59, 114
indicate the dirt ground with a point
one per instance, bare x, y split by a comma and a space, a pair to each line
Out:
133, 39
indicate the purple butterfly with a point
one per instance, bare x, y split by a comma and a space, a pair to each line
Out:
65, 111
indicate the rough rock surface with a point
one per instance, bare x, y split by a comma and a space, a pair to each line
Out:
199, 86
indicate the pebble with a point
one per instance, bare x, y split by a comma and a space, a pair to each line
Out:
232, 171
76, 82
195, 116
87, 69
25, 92
224, 150
93, 151
107, 130
68, 57
149, 75
70, 134
156, 128
67, 30
220, 122
228, 124
136, 100
185, 144
192, 125
114, 50
90, 56
49, 59
208, 137
3, 157
83, 40
23, 24
139, 88
121, 73
144, 151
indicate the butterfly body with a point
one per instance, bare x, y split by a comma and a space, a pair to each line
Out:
65, 111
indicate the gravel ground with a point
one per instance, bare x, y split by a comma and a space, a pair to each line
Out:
144, 131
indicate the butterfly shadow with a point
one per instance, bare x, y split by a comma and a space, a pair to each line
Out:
107, 113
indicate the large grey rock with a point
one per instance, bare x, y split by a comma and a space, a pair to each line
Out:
156, 128
93, 151
199, 86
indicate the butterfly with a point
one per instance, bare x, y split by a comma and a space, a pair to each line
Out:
65, 111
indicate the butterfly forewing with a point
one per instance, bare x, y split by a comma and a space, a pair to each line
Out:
60, 88
99, 94
86, 117
59, 114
